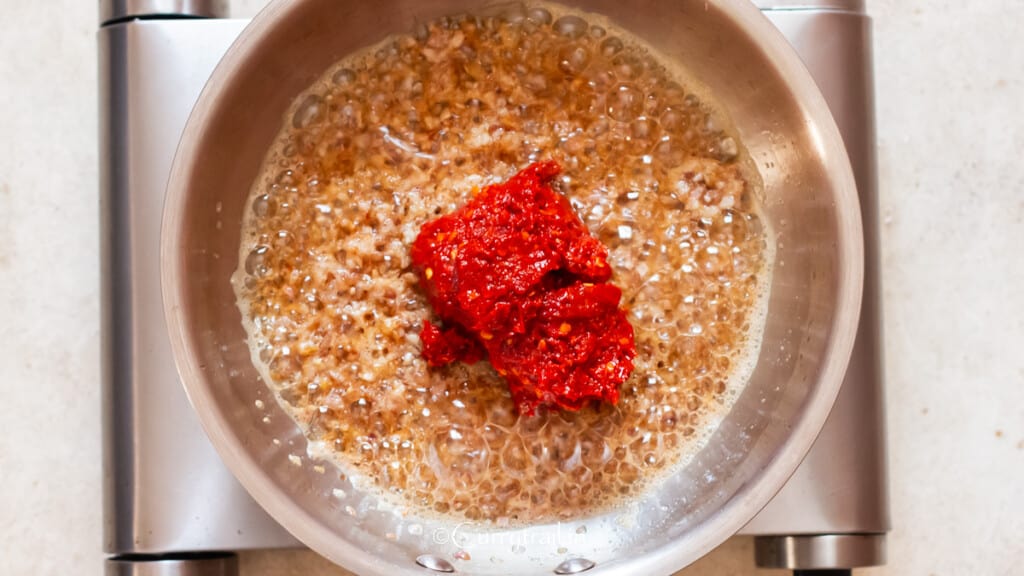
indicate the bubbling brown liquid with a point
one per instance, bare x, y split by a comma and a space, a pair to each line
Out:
403, 132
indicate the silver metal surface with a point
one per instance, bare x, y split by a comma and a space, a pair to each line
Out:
165, 489
854, 6
831, 472
111, 10
842, 485
820, 552
812, 315
196, 565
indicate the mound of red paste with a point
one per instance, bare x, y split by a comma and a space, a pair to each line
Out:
516, 277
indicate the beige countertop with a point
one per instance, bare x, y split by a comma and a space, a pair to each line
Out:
950, 85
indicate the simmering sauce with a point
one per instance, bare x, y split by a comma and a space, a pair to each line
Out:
406, 131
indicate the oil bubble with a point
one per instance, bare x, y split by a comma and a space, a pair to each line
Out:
570, 26
309, 112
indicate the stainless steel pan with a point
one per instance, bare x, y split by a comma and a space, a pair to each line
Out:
811, 205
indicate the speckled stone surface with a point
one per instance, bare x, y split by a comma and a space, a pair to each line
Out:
950, 84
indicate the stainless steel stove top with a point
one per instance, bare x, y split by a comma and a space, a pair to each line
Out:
172, 508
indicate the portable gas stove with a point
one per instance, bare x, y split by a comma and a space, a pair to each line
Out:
173, 509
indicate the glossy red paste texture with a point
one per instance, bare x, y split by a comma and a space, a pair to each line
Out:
516, 277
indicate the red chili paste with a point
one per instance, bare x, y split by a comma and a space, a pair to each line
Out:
516, 277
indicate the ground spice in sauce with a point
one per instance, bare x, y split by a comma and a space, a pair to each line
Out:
516, 277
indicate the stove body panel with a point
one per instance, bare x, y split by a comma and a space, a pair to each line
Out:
166, 490
842, 484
